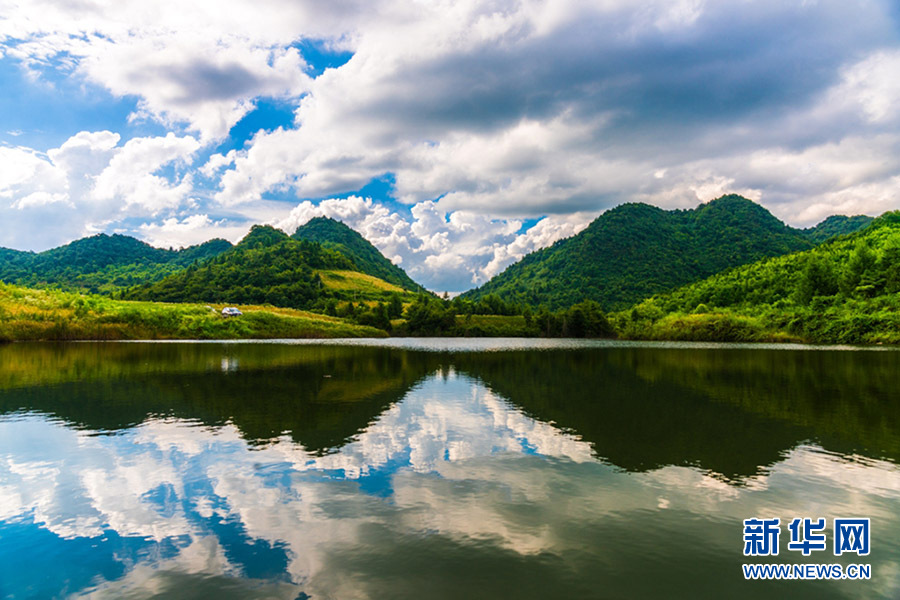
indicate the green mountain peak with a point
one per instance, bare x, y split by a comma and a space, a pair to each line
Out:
635, 250
335, 235
262, 236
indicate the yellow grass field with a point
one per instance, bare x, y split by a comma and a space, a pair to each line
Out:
358, 282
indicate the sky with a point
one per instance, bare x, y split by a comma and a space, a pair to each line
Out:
457, 136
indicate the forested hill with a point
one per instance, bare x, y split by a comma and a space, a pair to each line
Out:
837, 225
636, 250
268, 267
846, 290
101, 263
368, 259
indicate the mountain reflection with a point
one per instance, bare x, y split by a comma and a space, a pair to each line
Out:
341, 472
730, 411
320, 396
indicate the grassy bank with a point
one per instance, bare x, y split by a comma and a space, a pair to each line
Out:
850, 322
28, 314
708, 327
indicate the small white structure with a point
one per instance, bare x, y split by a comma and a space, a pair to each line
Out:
230, 311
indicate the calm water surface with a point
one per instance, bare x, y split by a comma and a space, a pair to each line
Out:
437, 469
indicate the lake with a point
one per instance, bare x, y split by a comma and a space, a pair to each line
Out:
439, 468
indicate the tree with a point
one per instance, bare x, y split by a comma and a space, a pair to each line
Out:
817, 279
427, 316
395, 308
889, 265
859, 277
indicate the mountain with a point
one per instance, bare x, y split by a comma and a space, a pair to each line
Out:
268, 267
366, 257
846, 290
636, 250
101, 263
837, 225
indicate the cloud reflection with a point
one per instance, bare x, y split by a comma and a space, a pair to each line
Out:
452, 467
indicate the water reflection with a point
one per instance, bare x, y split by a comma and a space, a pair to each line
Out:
407, 474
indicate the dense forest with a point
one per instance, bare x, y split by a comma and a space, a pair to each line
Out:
636, 250
101, 263
836, 225
266, 267
846, 290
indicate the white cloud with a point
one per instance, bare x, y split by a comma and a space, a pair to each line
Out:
88, 182
443, 251
26, 172
209, 84
873, 85
130, 178
200, 65
473, 117
190, 230
39, 199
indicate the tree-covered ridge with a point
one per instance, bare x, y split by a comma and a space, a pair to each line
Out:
846, 290
266, 267
368, 259
101, 263
836, 225
636, 250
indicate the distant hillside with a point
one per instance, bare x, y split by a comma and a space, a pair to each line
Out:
367, 258
268, 267
636, 250
837, 225
101, 263
846, 290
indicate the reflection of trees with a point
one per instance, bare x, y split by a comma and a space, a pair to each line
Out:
319, 395
727, 410
847, 400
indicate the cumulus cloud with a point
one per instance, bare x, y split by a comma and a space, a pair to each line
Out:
198, 65
27, 173
88, 182
190, 230
444, 251
130, 177
504, 111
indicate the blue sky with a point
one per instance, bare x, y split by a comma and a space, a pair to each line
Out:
457, 137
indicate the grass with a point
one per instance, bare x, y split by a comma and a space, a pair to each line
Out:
29, 314
825, 321
709, 327
358, 282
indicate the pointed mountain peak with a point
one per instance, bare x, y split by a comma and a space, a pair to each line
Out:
635, 250
368, 259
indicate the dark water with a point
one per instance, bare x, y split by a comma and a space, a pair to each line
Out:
437, 470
